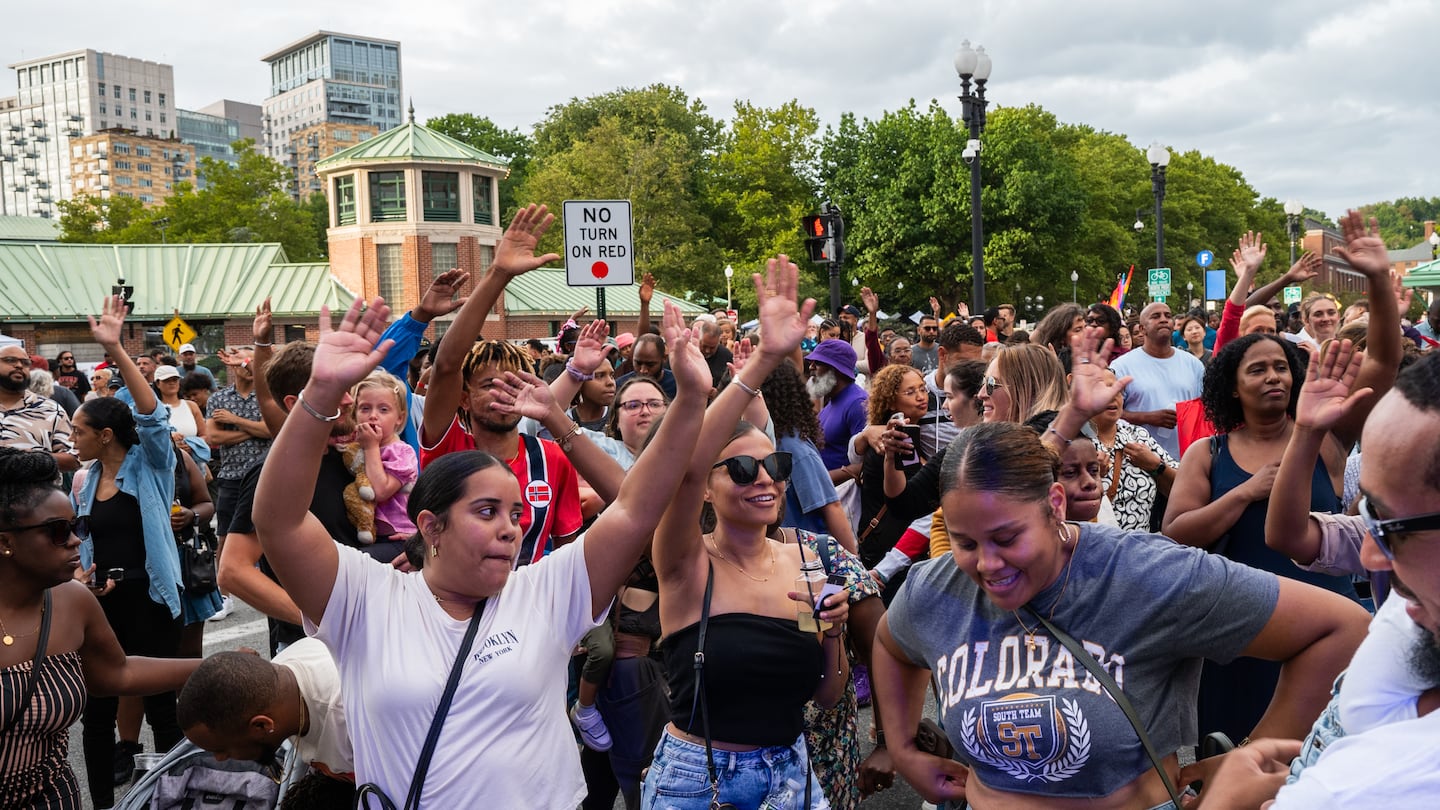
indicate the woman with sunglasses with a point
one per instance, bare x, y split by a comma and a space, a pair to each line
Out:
132, 559
40, 541
737, 711
1031, 726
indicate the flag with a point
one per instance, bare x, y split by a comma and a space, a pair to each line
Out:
1122, 286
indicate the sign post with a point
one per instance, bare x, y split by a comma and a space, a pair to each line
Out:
1159, 282
599, 246
1291, 295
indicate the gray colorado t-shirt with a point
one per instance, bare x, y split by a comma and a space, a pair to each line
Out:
1035, 720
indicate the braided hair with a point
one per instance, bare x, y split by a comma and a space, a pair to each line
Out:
27, 477
504, 356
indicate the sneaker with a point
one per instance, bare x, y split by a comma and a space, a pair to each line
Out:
592, 727
227, 606
125, 752
862, 685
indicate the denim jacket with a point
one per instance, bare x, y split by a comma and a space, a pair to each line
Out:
147, 475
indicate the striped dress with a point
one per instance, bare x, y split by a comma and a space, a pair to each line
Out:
34, 768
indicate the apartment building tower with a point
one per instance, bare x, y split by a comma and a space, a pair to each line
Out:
122, 163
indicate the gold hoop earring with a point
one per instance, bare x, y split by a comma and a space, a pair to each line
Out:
1062, 534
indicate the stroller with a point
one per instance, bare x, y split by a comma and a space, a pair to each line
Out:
189, 777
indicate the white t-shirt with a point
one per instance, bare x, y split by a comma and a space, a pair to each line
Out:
1380, 686
1158, 385
1391, 767
327, 742
506, 741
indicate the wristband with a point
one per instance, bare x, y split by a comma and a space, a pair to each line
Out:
879, 738
1159, 470
260, 345
576, 374
754, 392
564, 441
300, 397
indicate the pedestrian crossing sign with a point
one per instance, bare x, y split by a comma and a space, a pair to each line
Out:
177, 333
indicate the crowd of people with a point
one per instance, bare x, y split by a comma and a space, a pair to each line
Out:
670, 566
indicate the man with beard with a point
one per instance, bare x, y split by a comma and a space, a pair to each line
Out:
1392, 765
189, 366
29, 421
240, 706
831, 379
648, 360
67, 374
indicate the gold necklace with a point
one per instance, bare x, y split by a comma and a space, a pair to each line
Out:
1029, 634
714, 546
9, 640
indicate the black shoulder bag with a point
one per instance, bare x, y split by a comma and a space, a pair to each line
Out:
1089, 662
35, 665
422, 766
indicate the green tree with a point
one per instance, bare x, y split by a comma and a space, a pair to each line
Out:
485, 135
106, 220
1402, 221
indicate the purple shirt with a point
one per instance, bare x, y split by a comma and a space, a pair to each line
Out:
841, 418
399, 460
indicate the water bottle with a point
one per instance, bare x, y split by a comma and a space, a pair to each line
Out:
810, 582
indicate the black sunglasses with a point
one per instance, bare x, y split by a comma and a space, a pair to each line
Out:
59, 529
1382, 530
991, 384
745, 469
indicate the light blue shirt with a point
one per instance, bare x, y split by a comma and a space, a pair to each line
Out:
148, 475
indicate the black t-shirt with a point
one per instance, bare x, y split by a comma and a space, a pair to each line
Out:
327, 504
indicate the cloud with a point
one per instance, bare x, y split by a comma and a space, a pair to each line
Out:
1323, 100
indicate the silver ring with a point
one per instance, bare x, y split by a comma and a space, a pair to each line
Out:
1084, 360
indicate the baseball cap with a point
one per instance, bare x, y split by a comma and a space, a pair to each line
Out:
167, 373
188, 347
624, 339
851, 309
836, 354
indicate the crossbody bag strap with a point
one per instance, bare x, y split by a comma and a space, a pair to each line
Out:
698, 700
875, 521
35, 665
539, 470
1115, 470
422, 766
1089, 662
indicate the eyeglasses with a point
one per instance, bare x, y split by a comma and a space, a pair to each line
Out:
991, 384
59, 529
17, 361
652, 405
745, 469
1382, 530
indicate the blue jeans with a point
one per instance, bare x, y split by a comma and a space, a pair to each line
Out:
769, 778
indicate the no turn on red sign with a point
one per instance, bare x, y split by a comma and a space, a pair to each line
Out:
599, 247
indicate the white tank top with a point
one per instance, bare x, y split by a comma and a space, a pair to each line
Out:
182, 420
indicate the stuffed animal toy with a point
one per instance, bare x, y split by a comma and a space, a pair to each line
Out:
359, 495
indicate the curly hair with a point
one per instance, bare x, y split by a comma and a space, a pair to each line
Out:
790, 408
27, 477
885, 389
1109, 319
1217, 395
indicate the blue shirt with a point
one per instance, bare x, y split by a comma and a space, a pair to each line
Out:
810, 489
407, 333
148, 475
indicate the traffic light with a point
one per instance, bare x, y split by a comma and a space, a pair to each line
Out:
821, 237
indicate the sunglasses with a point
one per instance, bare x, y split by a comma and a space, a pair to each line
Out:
1382, 530
745, 469
991, 384
652, 405
59, 529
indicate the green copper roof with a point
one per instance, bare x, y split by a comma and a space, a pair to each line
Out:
412, 142
65, 282
544, 292
1423, 275
28, 229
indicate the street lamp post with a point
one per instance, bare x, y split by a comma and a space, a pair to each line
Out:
1293, 210
974, 64
729, 299
1189, 294
1074, 287
1159, 157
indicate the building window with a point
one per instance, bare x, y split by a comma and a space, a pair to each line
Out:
345, 200
134, 114
444, 256
162, 118
101, 87
387, 197
132, 95
440, 194
484, 215
146, 182
149, 116
487, 258
390, 272
144, 167
122, 165
162, 101
103, 111
142, 151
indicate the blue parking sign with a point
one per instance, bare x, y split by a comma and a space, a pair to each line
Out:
1204, 258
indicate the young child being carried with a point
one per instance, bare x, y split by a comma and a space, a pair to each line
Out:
390, 463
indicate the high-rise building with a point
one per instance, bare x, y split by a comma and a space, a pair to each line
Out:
329, 78
214, 129
68, 96
317, 142
119, 162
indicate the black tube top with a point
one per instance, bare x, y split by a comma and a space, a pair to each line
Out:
759, 673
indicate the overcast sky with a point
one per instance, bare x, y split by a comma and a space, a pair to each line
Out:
1331, 102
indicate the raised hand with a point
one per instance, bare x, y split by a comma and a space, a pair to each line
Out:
590, 347
523, 394
1248, 257
578, 314
1305, 268
515, 255
871, 300
647, 288
686, 362
782, 321
263, 327
439, 299
348, 352
1363, 249
1091, 389
1404, 296
106, 331
741, 353
935, 306
1326, 398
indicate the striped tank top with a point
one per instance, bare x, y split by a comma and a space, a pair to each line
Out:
34, 768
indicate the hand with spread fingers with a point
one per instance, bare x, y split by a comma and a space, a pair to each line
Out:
262, 329
782, 319
590, 347
686, 362
523, 394
1091, 390
1363, 248
515, 255
1304, 269
347, 353
439, 298
1326, 398
106, 331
